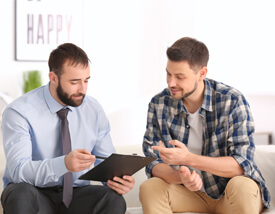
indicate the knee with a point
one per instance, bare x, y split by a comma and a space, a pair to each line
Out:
116, 200
154, 185
120, 204
150, 185
242, 186
15, 196
21, 191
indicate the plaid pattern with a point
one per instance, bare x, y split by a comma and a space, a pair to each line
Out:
228, 129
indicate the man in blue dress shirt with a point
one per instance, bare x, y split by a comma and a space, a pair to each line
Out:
35, 167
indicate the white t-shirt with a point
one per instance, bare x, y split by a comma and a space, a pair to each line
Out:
195, 137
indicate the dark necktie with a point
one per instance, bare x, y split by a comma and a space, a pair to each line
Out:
66, 148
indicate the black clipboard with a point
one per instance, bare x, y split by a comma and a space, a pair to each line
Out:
116, 165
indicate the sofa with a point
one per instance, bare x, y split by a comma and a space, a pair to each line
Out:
265, 158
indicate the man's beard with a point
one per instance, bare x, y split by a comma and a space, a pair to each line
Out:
190, 92
66, 99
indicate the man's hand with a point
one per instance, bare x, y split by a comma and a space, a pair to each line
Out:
173, 156
79, 160
193, 181
179, 155
122, 185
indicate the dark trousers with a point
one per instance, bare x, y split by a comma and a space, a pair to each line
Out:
24, 198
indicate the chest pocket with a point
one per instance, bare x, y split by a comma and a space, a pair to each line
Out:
177, 128
216, 139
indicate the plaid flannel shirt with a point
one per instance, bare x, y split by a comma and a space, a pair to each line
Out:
228, 129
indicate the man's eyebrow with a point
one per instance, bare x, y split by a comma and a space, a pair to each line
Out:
79, 79
177, 74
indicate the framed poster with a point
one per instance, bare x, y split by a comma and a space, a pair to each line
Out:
41, 25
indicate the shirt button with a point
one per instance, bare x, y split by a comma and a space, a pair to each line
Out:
187, 126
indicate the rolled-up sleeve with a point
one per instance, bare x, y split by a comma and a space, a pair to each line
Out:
153, 136
240, 136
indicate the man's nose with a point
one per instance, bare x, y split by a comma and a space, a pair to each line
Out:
82, 88
171, 82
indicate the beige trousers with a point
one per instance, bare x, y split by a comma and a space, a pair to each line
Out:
242, 196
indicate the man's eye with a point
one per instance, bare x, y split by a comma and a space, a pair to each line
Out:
74, 82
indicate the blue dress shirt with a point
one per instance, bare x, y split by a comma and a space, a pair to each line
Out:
32, 139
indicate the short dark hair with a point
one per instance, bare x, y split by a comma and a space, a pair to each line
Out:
67, 52
190, 50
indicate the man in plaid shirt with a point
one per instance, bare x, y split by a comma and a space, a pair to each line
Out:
201, 132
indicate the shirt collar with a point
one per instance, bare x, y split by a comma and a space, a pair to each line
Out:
176, 104
207, 97
52, 104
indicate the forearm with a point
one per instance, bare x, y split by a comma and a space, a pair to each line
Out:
226, 167
167, 173
38, 173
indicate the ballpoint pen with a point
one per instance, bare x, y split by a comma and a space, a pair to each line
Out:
100, 157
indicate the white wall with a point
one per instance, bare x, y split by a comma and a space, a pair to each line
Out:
126, 41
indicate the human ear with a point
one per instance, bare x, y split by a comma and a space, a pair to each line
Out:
203, 72
53, 77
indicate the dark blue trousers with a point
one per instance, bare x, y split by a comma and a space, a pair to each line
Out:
24, 198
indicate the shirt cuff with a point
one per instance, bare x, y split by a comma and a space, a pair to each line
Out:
150, 167
58, 166
244, 163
